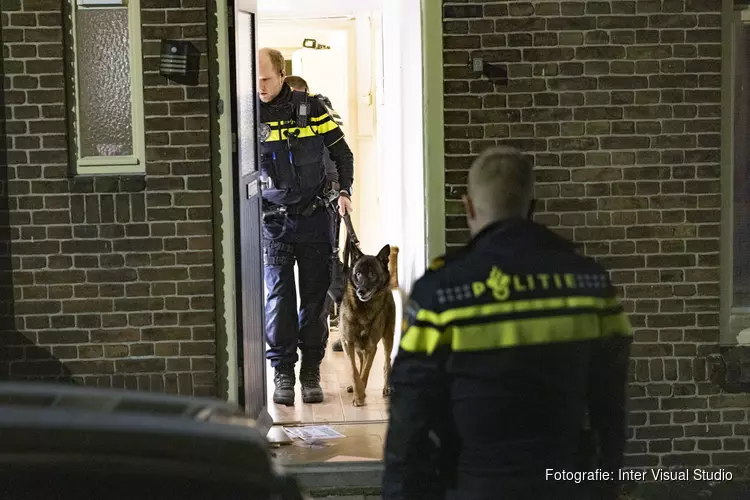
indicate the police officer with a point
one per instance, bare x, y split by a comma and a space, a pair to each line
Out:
295, 129
336, 291
514, 350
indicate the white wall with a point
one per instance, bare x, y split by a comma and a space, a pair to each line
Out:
315, 8
367, 182
400, 117
325, 71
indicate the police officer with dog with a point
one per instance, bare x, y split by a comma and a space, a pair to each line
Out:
336, 291
513, 361
295, 130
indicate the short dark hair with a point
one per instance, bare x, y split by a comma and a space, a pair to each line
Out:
501, 182
297, 82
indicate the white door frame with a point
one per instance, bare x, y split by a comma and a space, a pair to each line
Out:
434, 178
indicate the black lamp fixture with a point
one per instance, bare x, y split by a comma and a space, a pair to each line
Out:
311, 43
496, 73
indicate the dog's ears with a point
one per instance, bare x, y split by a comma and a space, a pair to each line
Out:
383, 255
356, 253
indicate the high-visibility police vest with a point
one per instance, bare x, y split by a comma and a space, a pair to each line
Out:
292, 151
490, 307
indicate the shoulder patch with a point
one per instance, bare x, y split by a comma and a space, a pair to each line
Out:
437, 263
264, 132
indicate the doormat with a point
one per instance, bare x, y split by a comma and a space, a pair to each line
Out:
313, 432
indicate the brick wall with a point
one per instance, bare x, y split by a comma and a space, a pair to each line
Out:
619, 104
113, 276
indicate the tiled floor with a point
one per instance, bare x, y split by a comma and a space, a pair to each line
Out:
363, 442
337, 405
363, 427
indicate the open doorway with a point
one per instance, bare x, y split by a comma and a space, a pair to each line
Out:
397, 130
357, 55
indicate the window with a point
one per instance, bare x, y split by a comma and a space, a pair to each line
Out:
735, 279
108, 130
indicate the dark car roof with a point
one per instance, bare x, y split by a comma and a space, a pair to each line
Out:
50, 422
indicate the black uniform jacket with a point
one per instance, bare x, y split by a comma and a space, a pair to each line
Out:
293, 155
508, 349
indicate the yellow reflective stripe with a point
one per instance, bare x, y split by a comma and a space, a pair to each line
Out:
421, 339
275, 134
524, 332
335, 116
515, 333
517, 306
316, 119
616, 324
326, 127
323, 127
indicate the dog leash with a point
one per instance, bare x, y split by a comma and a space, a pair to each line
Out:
352, 241
350, 230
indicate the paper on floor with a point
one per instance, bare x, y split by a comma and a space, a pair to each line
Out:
312, 432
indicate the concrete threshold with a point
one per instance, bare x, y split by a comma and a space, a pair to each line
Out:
350, 478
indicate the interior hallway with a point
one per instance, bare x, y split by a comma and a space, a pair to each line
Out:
335, 376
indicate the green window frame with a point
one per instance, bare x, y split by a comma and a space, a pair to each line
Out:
133, 161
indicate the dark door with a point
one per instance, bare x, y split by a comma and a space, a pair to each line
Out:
250, 289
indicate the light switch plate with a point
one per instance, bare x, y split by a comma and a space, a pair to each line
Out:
252, 189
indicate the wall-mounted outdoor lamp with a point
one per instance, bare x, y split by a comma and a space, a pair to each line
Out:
311, 43
497, 73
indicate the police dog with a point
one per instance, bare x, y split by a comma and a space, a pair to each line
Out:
368, 316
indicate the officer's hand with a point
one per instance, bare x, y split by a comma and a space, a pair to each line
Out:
345, 205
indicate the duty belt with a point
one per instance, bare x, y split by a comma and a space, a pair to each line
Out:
319, 201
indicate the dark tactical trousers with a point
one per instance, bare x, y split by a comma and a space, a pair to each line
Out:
306, 241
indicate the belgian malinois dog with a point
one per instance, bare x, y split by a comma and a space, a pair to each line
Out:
368, 315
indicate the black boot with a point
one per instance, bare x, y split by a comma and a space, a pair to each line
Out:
337, 347
309, 377
284, 380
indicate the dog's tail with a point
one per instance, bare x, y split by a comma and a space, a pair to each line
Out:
397, 298
393, 267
